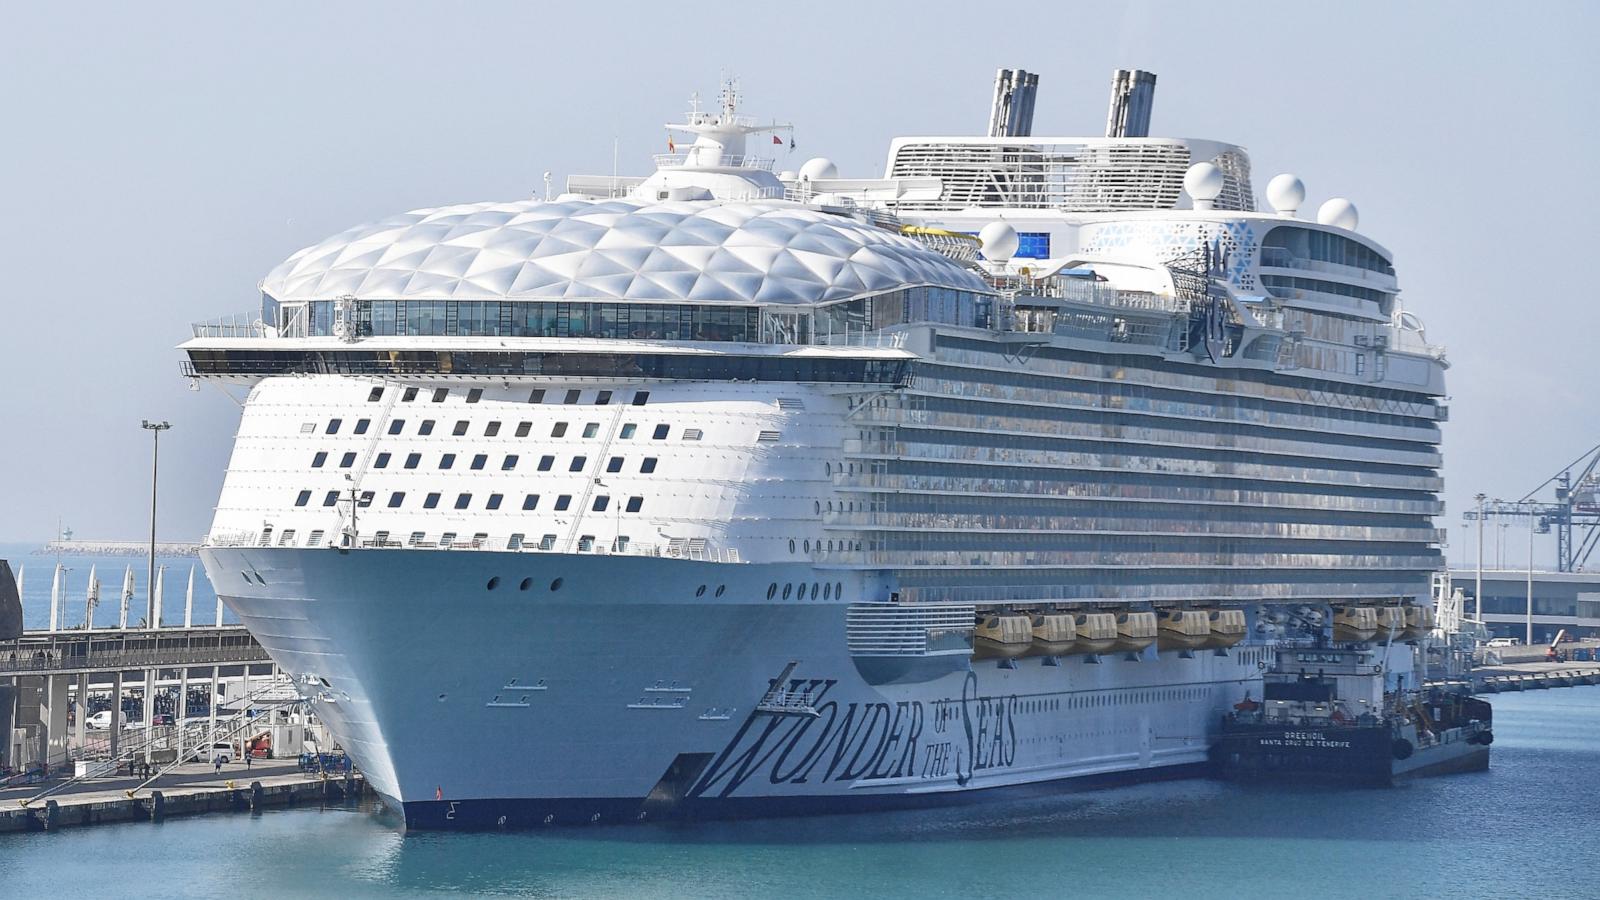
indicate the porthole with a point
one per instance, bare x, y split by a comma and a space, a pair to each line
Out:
772, 590
791, 545
441, 696
525, 584
555, 585
721, 589
838, 589
700, 591
494, 582
814, 588
807, 546
787, 590
827, 592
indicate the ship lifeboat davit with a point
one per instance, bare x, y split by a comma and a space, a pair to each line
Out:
1135, 631
1054, 634
1001, 636
1227, 628
1419, 622
1097, 632
1182, 629
1354, 623
1391, 622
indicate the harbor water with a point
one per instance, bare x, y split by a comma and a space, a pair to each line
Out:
37, 568
1522, 829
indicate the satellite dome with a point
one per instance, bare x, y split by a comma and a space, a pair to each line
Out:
787, 175
819, 167
1203, 181
1340, 213
998, 240
1286, 192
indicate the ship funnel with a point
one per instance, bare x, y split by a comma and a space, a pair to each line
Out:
1012, 113
1133, 92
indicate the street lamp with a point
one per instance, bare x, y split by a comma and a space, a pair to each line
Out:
155, 429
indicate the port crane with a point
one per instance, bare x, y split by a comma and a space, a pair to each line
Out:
1574, 514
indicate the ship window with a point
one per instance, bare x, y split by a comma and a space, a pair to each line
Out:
548, 542
491, 430
447, 460
413, 459
366, 499
362, 425
308, 427
494, 501
572, 396
661, 433
554, 585
463, 500
287, 538
333, 425
620, 545
591, 429
431, 501
509, 463
692, 434
426, 428
772, 590
628, 430
408, 395
494, 582
530, 502
601, 502
635, 504
614, 464
578, 463
601, 398
545, 462
439, 394
827, 592
700, 591
417, 538
838, 589
563, 501
331, 498
515, 543
479, 460
648, 465
474, 395
319, 458
523, 428
787, 590
348, 460
813, 590
640, 398
721, 589
446, 539
791, 545
461, 428
536, 395
303, 498
396, 426
315, 539
375, 395
559, 430
397, 498
806, 546
586, 544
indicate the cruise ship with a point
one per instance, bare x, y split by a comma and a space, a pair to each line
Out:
724, 491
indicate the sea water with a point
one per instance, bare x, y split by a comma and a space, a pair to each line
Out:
37, 568
1525, 828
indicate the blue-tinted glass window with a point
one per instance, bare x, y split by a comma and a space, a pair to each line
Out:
319, 458
382, 462
462, 500
648, 466
578, 463
614, 464
509, 463
303, 499
348, 460
447, 461
362, 425
396, 426
397, 498
494, 501
530, 502
333, 425
479, 461
601, 502
635, 504
545, 462
563, 501
413, 460
431, 501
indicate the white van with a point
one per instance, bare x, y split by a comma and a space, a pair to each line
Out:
100, 721
221, 749
1504, 642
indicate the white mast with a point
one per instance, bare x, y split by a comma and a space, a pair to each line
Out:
92, 599
188, 601
55, 599
719, 139
158, 594
127, 597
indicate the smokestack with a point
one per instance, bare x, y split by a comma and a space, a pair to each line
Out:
1133, 92
1011, 114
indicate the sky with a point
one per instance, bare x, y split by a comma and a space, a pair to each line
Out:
157, 160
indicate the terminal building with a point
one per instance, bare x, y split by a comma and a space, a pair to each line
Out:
1569, 600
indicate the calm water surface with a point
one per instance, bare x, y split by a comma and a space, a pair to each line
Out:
1524, 829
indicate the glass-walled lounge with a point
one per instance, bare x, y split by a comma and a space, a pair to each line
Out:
837, 322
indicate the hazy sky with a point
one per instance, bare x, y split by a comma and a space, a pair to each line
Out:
157, 160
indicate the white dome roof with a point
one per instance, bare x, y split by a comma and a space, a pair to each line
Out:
613, 250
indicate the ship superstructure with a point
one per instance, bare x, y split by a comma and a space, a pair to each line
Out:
719, 491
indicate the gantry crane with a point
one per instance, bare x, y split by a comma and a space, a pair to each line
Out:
1576, 508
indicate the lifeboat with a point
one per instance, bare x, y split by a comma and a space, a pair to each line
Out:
1053, 634
1227, 628
1001, 636
1097, 632
1182, 629
1419, 622
1391, 622
1354, 623
1135, 631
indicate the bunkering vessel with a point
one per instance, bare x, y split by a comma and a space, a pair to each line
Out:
720, 492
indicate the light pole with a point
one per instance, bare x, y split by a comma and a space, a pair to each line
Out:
155, 429
1477, 589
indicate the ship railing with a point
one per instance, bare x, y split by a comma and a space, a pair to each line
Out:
247, 324
729, 160
682, 548
887, 340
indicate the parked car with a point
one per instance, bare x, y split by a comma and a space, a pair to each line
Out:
221, 749
99, 721
1504, 642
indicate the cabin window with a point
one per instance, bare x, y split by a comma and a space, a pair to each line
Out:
479, 460
530, 502
563, 501
317, 459
439, 394
426, 428
601, 398
303, 498
523, 428
545, 462
397, 498
635, 504
413, 460
447, 461
463, 500
375, 395
578, 462
461, 428
431, 501
640, 398
396, 426
509, 463
648, 465
559, 430
362, 425
474, 395
661, 433
491, 430
614, 464
408, 395
333, 425
348, 460
381, 462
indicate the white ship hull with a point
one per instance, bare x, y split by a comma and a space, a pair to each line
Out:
469, 708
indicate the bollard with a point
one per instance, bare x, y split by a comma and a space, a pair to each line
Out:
158, 806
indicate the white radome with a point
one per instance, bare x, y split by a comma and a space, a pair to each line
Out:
999, 241
819, 167
1340, 213
1286, 192
1203, 181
